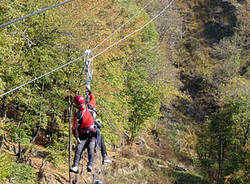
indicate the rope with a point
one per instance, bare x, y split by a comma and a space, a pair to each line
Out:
98, 171
35, 13
95, 166
139, 12
73, 61
101, 169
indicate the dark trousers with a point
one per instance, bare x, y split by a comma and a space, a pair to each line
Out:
103, 147
100, 142
87, 141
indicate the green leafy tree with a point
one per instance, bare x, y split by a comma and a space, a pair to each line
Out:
5, 167
223, 150
15, 173
144, 102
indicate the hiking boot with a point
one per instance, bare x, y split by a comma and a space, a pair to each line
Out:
106, 160
89, 168
74, 169
98, 182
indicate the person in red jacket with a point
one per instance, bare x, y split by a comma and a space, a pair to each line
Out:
84, 131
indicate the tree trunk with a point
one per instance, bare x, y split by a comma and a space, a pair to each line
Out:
220, 159
246, 135
38, 125
70, 137
4, 108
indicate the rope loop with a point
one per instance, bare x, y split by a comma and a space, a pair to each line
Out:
88, 66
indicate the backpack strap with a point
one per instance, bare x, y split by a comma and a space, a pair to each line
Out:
79, 116
92, 110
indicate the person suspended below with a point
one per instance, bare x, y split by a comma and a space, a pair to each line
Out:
86, 130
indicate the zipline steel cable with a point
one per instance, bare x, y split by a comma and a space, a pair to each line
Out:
33, 80
35, 13
139, 12
119, 28
73, 61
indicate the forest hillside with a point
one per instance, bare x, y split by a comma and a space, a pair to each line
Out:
173, 94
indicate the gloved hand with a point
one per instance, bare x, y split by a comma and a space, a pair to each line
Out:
88, 90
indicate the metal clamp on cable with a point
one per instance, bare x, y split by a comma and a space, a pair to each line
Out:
88, 52
87, 66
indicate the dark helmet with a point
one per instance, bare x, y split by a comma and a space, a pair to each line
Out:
78, 100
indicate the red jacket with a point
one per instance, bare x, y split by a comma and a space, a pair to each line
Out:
87, 118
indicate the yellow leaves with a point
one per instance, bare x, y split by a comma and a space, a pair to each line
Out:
169, 93
2, 86
237, 87
188, 142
